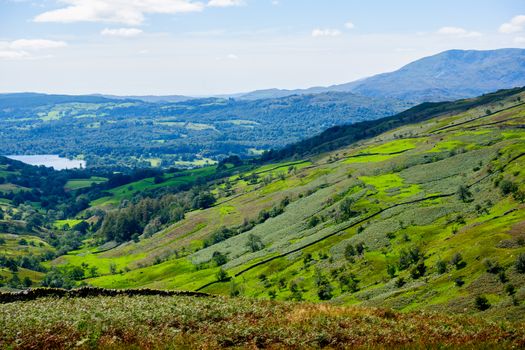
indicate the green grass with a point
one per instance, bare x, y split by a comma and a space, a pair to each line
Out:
75, 184
59, 224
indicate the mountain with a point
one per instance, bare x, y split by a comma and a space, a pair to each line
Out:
151, 98
448, 75
26, 100
418, 211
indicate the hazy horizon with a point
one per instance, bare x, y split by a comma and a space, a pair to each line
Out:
203, 48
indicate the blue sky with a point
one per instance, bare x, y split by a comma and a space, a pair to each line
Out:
225, 46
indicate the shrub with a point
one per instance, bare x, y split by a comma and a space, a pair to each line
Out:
324, 291
441, 266
313, 221
482, 303
219, 258
507, 187
419, 270
400, 282
510, 289
464, 194
459, 282
457, 261
492, 266
520, 263
350, 252
254, 243
391, 270
222, 275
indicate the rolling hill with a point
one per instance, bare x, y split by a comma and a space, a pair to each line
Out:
446, 76
424, 212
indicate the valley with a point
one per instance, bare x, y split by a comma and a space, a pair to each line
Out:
426, 215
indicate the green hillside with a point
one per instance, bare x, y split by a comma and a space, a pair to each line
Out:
428, 215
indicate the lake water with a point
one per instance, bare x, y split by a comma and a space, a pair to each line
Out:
51, 160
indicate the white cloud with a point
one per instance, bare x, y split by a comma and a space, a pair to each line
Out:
130, 12
516, 24
13, 55
22, 48
458, 32
349, 25
32, 44
319, 32
121, 32
520, 40
225, 3
232, 56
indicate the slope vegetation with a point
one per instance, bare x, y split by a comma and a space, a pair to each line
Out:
426, 215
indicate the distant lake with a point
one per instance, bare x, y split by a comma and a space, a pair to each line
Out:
51, 160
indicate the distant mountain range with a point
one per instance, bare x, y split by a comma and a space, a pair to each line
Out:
448, 75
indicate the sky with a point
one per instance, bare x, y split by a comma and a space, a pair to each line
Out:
209, 47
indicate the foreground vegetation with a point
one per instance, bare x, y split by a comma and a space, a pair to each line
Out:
220, 322
420, 211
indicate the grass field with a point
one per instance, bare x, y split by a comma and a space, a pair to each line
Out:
76, 184
217, 322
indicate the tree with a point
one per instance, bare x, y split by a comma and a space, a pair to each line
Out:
27, 282
520, 263
325, 290
391, 270
482, 303
254, 243
219, 258
441, 266
222, 275
419, 270
492, 266
507, 187
349, 252
464, 194
112, 268
457, 261
313, 221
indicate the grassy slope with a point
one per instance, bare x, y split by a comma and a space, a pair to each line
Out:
181, 322
403, 183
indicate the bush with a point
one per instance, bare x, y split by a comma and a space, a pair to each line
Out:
492, 266
219, 258
459, 282
441, 266
510, 289
520, 263
391, 270
313, 221
254, 243
464, 194
482, 303
350, 252
457, 261
507, 187
419, 270
222, 275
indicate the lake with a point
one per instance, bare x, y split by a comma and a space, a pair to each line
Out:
51, 160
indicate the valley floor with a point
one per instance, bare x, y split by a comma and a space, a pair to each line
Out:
190, 322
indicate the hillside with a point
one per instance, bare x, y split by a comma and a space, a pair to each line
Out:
184, 322
133, 133
427, 215
446, 76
